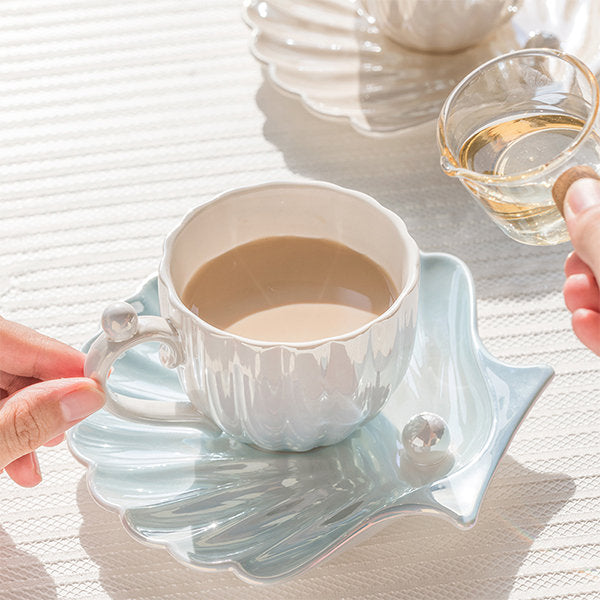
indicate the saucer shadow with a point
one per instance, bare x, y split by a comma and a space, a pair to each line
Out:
430, 556
403, 173
399, 88
22, 575
411, 550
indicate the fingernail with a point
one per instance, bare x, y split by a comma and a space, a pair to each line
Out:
583, 194
81, 403
36, 464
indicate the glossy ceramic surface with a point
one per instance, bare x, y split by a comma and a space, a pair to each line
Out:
216, 503
275, 395
332, 54
439, 25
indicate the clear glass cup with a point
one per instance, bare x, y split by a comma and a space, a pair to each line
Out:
510, 128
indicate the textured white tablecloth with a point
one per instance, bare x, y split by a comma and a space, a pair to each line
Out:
116, 117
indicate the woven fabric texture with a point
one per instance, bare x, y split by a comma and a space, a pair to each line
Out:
117, 117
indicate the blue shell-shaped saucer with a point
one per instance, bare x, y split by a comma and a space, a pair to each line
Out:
215, 503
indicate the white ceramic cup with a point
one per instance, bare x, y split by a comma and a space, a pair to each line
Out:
278, 396
439, 25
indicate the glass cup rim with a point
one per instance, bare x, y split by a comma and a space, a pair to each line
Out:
449, 162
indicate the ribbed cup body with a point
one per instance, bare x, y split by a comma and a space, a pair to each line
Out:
284, 398
286, 395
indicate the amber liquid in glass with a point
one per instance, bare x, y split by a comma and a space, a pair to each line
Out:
516, 145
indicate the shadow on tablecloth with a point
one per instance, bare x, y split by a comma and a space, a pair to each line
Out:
413, 558
22, 575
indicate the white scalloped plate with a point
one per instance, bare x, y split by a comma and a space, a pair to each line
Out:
334, 57
215, 503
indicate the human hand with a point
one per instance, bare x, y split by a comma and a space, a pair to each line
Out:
582, 267
42, 394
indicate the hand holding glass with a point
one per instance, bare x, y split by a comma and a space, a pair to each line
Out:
512, 127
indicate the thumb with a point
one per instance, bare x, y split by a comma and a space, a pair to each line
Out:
582, 214
40, 412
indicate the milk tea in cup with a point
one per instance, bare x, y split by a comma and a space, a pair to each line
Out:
289, 289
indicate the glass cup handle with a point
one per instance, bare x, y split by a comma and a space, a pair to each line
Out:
122, 330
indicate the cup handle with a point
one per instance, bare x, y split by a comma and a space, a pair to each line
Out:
122, 330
